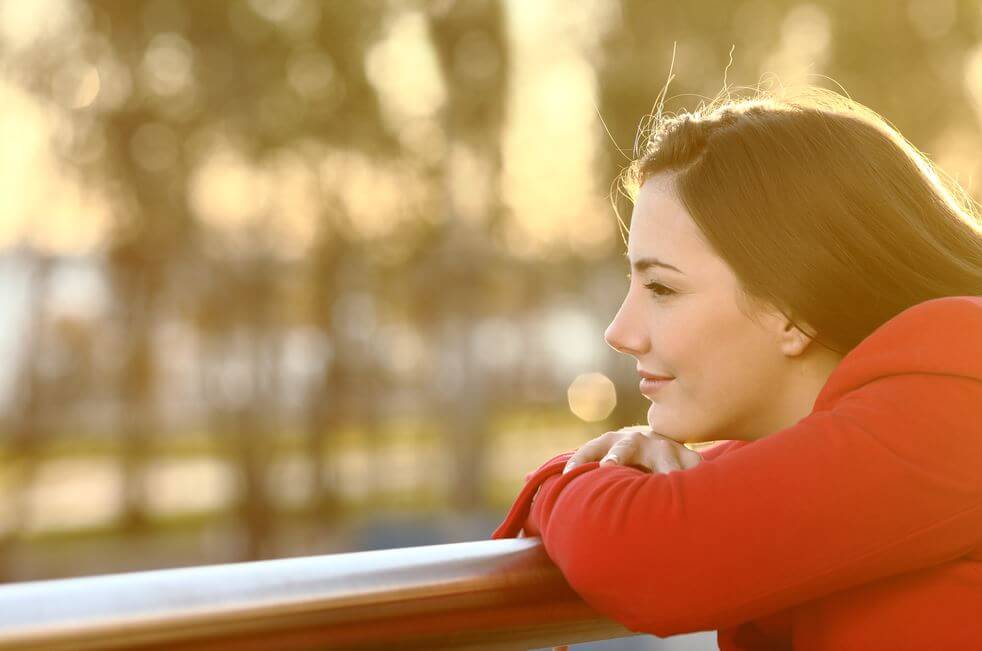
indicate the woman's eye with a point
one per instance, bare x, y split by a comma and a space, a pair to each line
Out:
658, 289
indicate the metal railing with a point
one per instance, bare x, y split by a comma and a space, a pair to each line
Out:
491, 594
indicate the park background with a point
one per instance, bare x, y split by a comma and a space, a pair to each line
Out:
288, 277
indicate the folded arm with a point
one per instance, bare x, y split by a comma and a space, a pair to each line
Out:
885, 483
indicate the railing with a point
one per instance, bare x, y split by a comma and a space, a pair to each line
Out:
492, 594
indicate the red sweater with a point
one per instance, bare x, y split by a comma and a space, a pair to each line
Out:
858, 527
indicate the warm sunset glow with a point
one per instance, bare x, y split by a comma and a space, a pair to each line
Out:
279, 277
41, 203
556, 201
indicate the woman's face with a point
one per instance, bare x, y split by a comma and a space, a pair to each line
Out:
732, 377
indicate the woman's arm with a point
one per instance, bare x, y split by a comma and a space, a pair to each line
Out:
516, 523
885, 483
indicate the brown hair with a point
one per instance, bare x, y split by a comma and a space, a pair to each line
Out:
821, 208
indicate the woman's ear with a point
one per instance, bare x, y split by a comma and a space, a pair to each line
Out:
792, 339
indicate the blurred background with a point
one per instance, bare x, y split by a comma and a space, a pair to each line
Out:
292, 277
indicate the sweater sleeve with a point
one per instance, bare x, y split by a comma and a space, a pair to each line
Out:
884, 483
518, 524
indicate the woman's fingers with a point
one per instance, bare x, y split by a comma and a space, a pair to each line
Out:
687, 458
639, 446
621, 452
690, 458
591, 450
612, 447
656, 454
665, 460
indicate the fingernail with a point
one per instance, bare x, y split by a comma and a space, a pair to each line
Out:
568, 467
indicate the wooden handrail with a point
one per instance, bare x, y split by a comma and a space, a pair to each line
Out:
490, 594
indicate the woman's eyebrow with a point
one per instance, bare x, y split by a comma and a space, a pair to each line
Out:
646, 263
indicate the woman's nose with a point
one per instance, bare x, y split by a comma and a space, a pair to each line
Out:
624, 335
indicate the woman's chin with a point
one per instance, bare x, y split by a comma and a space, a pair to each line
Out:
658, 425
656, 416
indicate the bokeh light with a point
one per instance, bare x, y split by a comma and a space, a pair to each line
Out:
592, 396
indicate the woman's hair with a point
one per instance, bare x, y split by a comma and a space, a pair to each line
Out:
821, 208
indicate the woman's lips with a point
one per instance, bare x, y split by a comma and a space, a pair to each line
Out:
649, 386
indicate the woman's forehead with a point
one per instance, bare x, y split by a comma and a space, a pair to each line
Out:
659, 218
661, 228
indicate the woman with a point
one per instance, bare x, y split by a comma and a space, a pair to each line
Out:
808, 287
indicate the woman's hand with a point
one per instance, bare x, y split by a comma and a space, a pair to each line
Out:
639, 446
